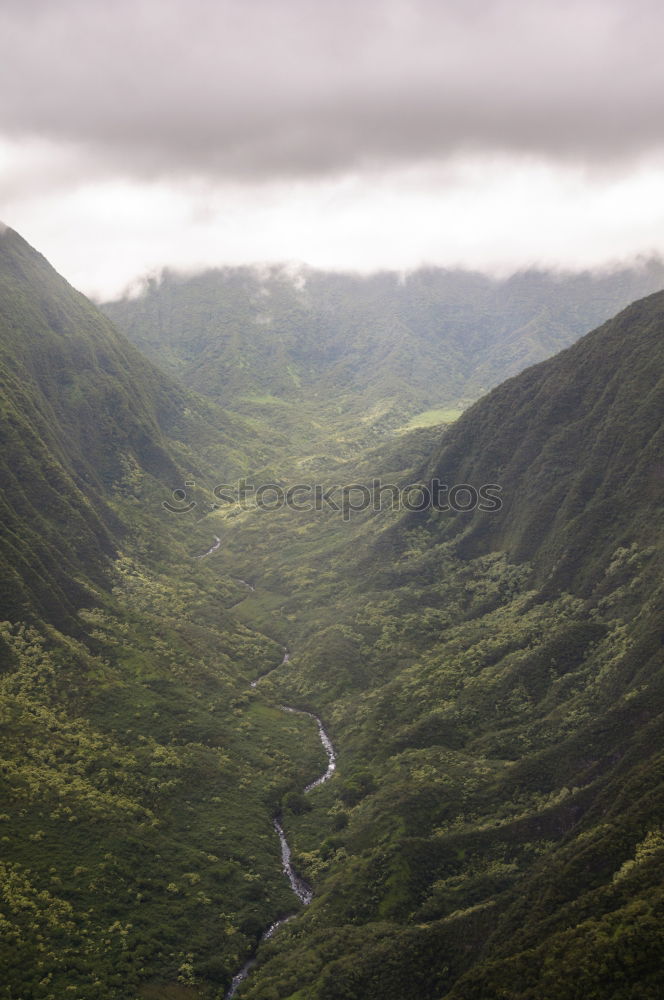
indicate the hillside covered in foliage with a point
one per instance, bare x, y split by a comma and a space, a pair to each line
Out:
138, 777
494, 683
491, 679
341, 360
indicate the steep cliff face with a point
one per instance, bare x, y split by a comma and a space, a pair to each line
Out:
363, 353
80, 407
501, 710
577, 446
130, 748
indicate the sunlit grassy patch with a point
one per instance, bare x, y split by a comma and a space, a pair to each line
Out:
429, 418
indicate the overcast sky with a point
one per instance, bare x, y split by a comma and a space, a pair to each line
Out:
342, 133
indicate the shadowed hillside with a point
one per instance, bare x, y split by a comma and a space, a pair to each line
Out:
491, 680
138, 776
495, 684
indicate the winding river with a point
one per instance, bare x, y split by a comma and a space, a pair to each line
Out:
300, 888
286, 658
213, 548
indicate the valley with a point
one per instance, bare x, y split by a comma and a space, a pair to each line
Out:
327, 364
479, 814
300, 888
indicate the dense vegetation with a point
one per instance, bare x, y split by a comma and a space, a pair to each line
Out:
340, 360
492, 680
494, 684
139, 775
87, 425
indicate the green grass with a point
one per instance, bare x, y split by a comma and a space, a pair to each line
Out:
430, 418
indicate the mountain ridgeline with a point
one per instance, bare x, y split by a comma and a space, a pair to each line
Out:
495, 681
341, 360
492, 681
577, 445
86, 421
77, 402
138, 780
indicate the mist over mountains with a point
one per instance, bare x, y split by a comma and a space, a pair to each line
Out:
372, 353
492, 682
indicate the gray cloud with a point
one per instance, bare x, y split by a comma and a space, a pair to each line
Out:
258, 89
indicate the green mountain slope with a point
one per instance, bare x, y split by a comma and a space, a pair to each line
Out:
492, 681
494, 684
577, 446
87, 423
139, 772
339, 359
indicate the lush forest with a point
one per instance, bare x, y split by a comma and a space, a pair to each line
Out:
494, 683
491, 679
139, 774
340, 361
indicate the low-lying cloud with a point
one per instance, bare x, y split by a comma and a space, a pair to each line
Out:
300, 88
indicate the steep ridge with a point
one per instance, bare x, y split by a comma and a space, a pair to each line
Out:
496, 829
577, 445
139, 772
86, 422
80, 407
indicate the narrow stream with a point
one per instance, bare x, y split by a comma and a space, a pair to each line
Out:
286, 658
327, 746
213, 548
300, 888
250, 963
